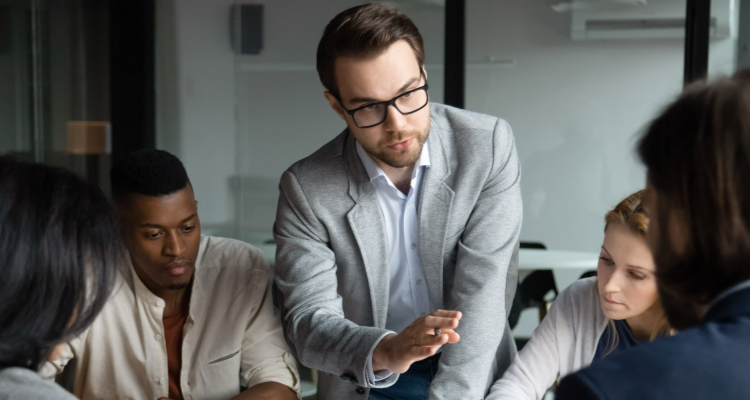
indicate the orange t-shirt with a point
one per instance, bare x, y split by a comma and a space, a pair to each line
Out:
173, 336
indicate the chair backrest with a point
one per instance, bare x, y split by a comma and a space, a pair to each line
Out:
530, 292
533, 245
588, 274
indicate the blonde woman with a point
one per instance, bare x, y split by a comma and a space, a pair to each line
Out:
597, 316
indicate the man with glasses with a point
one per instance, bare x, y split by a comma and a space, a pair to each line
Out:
401, 233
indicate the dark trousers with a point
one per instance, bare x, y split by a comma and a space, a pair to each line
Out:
414, 384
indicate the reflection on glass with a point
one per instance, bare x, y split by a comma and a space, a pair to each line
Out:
724, 38
579, 80
54, 83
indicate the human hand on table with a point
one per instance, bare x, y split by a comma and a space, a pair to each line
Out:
421, 339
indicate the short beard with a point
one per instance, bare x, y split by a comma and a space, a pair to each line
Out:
405, 158
179, 286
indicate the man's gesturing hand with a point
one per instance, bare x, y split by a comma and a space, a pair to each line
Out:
418, 341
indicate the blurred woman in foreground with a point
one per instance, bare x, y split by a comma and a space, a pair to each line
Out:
59, 248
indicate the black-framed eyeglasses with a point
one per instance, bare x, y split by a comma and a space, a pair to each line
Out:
406, 103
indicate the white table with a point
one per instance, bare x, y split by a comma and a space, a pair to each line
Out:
567, 266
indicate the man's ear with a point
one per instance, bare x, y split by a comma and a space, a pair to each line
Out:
335, 105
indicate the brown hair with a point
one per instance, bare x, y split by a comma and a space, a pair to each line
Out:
697, 153
631, 215
363, 32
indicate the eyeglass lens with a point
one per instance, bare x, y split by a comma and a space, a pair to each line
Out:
375, 113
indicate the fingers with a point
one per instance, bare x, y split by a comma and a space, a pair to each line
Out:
453, 337
431, 322
423, 352
447, 314
428, 340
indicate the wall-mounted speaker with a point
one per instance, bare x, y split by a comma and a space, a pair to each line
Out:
247, 28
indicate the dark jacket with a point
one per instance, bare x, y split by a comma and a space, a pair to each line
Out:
711, 361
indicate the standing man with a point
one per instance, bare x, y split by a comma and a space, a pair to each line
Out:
415, 208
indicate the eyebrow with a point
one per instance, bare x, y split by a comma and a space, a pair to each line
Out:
640, 268
629, 265
400, 90
149, 225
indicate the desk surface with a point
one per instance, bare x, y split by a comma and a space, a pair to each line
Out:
528, 259
532, 259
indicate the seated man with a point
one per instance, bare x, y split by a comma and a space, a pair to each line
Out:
192, 316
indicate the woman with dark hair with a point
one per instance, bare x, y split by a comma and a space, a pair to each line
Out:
594, 317
697, 153
58, 250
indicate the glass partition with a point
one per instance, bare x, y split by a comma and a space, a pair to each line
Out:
54, 83
577, 81
254, 112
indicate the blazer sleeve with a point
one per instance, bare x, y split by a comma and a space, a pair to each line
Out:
312, 313
485, 277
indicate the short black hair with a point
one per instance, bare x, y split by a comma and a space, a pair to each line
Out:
59, 254
148, 172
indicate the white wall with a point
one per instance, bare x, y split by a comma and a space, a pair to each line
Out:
237, 122
196, 97
576, 107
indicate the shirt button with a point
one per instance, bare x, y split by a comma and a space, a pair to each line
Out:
160, 303
360, 390
419, 281
161, 381
157, 337
413, 246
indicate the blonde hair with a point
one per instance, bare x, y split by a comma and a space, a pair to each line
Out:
629, 214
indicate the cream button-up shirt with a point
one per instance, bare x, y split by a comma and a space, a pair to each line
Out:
232, 336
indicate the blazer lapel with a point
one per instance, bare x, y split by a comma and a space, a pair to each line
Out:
368, 227
434, 211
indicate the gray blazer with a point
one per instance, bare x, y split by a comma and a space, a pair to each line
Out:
332, 269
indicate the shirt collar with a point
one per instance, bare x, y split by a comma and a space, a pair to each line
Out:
373, 171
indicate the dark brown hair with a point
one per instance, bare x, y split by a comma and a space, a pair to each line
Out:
697, 153
363, 32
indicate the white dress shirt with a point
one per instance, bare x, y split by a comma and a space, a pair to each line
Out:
408, 298
232, 336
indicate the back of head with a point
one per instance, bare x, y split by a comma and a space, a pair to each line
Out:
148, 172
697, 153
59, 249
364, 32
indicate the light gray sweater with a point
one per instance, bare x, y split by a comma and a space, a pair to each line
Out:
25, 384
564, 342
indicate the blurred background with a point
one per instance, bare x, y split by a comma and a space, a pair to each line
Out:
231, 88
